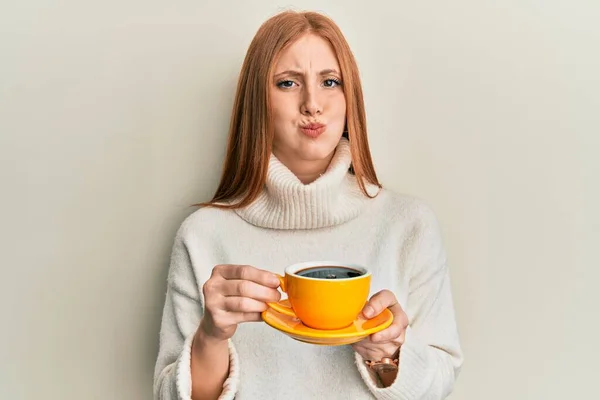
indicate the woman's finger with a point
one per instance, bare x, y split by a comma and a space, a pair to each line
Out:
247, 273
250, 289
379, 302
239, 304
395, 333
246, 317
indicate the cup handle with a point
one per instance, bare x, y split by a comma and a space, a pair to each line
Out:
278, 306
282, 282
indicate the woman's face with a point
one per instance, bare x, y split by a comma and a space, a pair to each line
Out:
308, 103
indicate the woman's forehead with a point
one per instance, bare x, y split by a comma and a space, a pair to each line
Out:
309, 54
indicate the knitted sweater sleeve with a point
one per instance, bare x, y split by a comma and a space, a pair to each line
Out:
181, 316
431, 357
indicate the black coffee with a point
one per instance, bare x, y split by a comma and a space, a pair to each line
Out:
326, 272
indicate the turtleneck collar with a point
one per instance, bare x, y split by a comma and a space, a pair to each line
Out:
286, 203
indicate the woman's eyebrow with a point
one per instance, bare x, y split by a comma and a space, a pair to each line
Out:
299, 74
330, 72
290, 72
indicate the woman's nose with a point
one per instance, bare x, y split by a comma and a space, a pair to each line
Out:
310, 103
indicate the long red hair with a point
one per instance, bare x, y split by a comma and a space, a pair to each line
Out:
251, 131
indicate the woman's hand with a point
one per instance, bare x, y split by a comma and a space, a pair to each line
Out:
235, 294
386, 342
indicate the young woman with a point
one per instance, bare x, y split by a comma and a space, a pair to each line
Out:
298, 185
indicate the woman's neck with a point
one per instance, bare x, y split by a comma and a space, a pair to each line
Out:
307, 171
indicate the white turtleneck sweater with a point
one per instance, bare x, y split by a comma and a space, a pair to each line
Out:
396, 236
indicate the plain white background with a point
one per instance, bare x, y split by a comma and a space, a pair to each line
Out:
113, 120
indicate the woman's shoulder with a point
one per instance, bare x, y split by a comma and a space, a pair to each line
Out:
406, 207
206, 219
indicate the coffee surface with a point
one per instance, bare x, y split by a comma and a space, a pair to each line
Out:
328, 272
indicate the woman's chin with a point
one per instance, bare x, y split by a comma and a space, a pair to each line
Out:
318, 150
316, 154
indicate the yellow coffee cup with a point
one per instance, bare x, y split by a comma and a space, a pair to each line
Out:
324, 294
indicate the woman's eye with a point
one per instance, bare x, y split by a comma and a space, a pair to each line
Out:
285, 84
331, 83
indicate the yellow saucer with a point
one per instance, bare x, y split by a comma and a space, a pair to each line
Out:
360, 329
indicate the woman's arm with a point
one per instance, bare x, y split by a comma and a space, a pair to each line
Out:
187, 362
430, 357
210, 366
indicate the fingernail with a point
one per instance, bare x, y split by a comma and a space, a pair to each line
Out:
368, 311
